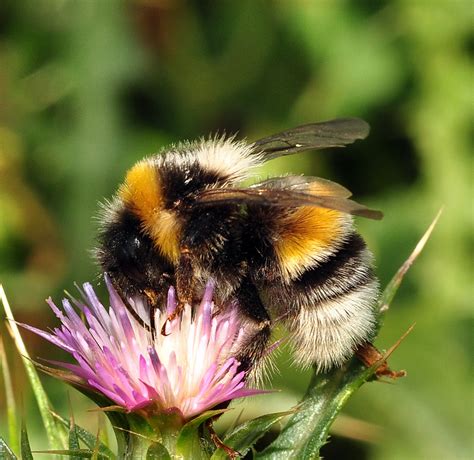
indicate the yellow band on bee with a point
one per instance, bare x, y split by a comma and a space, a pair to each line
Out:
306, 236
142, 192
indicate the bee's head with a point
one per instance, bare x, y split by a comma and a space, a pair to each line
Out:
127, 253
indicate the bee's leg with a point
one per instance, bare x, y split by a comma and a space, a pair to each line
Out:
370, 356
252, 307
218, 443
152, 322
184, 285
152, 298
185, 281
130, 310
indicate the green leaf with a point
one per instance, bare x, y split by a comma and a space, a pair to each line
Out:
25, 444
188, 444
10, 400
5, 451
243, 437
56, 436
157, 451
88, 438
307, 430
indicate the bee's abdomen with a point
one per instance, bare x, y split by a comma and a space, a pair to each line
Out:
348, 269
330, 308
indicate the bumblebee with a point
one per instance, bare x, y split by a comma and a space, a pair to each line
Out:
285, 248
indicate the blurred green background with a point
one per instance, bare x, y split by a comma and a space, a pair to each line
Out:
87, 88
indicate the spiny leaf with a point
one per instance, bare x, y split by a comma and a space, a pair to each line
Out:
243, 437
88, 438
307, 430
5, 451
25, 444
56, 436
10, 400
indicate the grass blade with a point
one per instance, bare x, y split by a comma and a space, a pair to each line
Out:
57, 438
25, 444
12, 411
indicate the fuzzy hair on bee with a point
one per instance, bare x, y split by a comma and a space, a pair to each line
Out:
285, 249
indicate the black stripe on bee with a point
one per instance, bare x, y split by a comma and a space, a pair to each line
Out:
346, 270
181, 183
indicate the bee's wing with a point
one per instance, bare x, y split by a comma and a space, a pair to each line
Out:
313, 136
306, 184
292, 191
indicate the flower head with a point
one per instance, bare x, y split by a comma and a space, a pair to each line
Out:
192, 369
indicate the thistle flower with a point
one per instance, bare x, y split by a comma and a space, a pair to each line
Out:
192, 369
